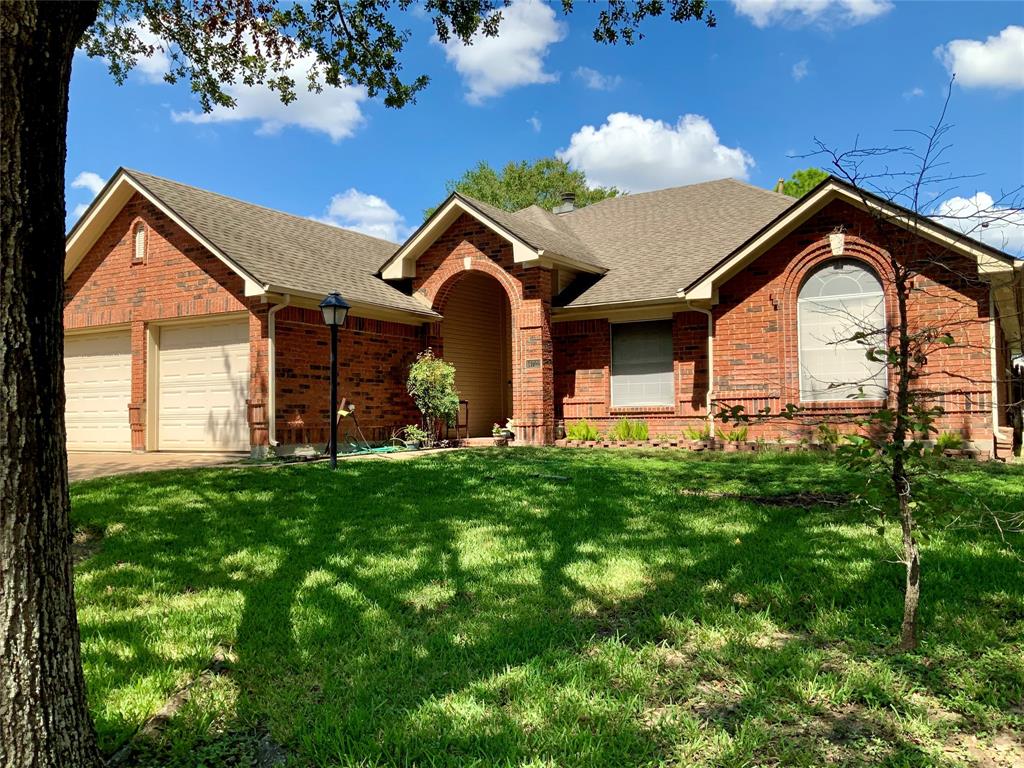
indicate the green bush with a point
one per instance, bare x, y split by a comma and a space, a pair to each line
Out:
432, 387
949, 441
627, 431
702, 434
828, 435
733, 436
582, 430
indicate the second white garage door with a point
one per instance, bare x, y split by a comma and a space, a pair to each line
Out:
204, 383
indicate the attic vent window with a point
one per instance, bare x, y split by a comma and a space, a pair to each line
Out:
139, 243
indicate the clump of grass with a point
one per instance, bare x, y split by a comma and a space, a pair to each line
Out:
738, 435
949, 441
582, 430
702, 434
628, 431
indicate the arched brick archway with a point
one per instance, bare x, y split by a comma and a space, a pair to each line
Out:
528, 292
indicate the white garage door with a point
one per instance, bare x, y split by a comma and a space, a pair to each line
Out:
98, 383
204, 382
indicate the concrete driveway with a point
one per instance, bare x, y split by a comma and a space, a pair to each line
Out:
85, 466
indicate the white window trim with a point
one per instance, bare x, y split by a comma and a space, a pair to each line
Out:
800, 347
611, 367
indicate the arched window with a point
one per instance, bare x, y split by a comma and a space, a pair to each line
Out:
139, 243
841, 313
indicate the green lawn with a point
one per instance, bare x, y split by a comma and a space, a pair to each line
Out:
475, 608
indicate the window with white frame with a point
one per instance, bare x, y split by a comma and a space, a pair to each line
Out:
841, 314
139, 243
642, 364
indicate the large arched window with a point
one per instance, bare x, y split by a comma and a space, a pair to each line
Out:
841, 313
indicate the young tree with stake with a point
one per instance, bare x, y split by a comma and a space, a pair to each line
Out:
911, 346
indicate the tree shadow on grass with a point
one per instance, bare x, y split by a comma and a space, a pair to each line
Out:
469, 607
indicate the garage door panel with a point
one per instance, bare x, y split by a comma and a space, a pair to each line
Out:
97, 379
204, 384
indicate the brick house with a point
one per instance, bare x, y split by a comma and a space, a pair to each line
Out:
192, 324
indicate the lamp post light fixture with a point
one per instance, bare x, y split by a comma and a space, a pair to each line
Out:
335, 311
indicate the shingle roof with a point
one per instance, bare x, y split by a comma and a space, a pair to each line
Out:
538, 228
278, 249
645, 246
654, 243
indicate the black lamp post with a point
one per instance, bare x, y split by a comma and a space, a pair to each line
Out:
335, 311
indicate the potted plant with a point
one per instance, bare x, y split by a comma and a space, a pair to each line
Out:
416, 436
498, 433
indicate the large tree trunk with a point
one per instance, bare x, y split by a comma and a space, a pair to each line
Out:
44, 720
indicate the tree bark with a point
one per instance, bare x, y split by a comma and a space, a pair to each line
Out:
44, 720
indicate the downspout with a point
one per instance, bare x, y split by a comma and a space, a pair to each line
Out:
272, 366
711, 363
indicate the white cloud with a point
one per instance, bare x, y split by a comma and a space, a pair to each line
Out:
79, 210
89, 180
365, 213
492, 65
800, 70
998, 62
914, 93
980, 217
638, 154
764, 13
597, 81
334, 111
534, 123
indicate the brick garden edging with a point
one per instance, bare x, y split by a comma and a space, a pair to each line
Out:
744, 447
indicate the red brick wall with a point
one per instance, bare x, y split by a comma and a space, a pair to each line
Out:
529, 294
756, 358
583, 376
756, 355
178, 278
373, 364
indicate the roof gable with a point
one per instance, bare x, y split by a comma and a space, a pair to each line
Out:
703, 286
274, 252
532, 242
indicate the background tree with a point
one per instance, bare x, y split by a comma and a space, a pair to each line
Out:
211, 44
803, 181
893, 445
522, 184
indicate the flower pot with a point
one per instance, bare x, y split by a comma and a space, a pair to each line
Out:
501, 442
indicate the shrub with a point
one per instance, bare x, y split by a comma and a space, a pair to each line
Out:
626, 430
702, 434
582, 430
415, 434
733, 436
949, 441
828, 435
432, 387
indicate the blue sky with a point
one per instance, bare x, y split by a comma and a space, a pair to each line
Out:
686, 104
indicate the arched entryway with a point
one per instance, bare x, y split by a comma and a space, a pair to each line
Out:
476, 338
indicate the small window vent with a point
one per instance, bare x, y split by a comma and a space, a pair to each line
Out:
139, 244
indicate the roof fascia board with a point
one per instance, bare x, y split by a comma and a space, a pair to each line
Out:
623, 311
403, 263
308, 300
989, 260
101, 213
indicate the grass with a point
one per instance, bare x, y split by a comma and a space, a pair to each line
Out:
477, 609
